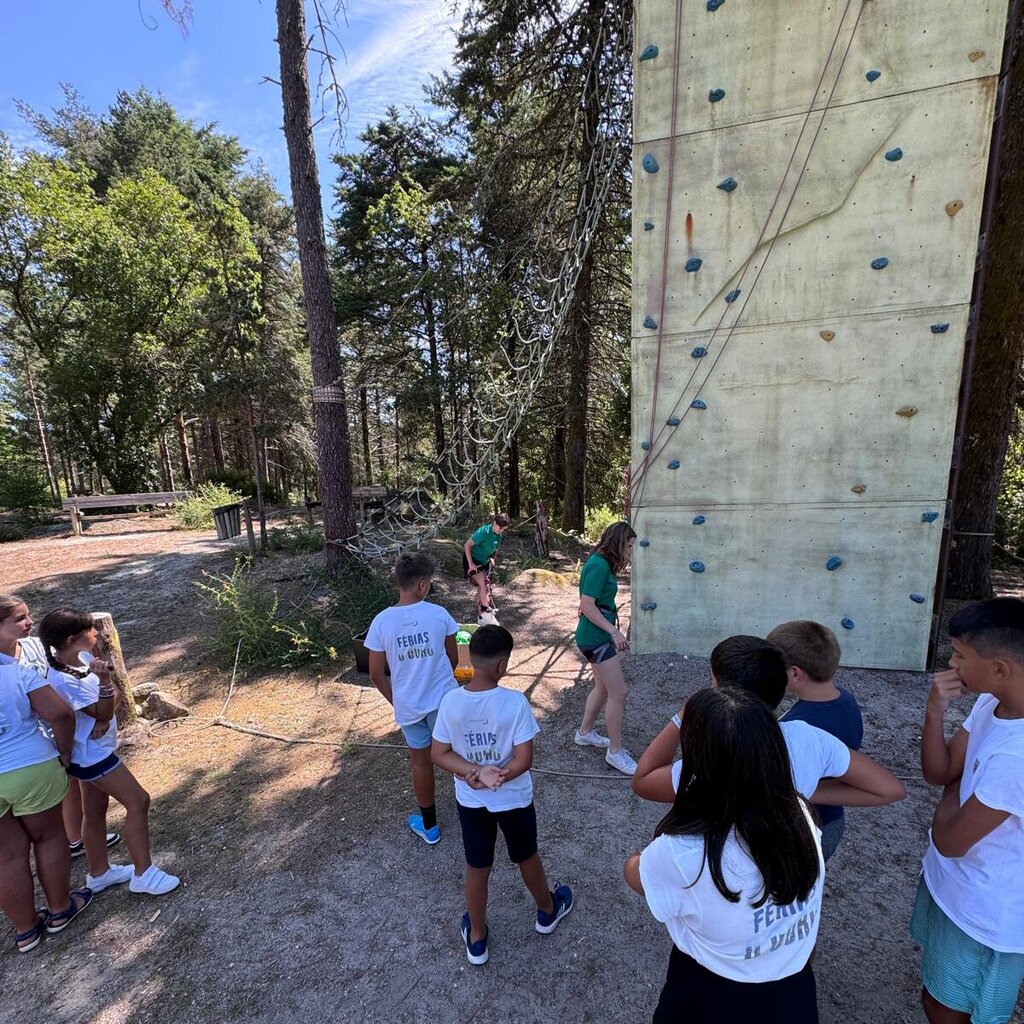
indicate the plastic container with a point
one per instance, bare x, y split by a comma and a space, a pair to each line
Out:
464, 669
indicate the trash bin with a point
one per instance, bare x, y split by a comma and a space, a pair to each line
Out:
228, 520
362, 656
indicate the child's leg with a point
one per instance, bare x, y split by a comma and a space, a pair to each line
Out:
595, 703
94, 803
519, 827
71, 810
476, 901
422, 777
480, 580
16, 889
536, 881
125, 789
53, 858
939, 1014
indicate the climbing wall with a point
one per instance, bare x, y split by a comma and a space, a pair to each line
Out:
807, 190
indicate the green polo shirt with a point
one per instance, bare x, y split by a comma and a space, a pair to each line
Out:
485, 543
597, 581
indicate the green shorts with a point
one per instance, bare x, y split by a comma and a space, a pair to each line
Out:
33, 789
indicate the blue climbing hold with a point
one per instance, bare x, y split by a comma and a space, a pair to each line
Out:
696, 567
699, 520
674, 464
713, 5
940, 328
929, 517
649, 606
699, 352
650, 51
833, 563
733, 295
714, 95
918, 598
645, 543
727, 184
693, 265
673, 421
648, 226
880, 263
646, 445
873, 76
847, 623
650, 323
894, 154
650, 165
698, 403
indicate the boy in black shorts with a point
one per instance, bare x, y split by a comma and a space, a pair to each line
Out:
484, 737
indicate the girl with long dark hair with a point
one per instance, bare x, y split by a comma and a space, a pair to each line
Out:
735, 872
600, 641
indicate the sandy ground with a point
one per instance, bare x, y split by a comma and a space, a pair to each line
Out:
306, 898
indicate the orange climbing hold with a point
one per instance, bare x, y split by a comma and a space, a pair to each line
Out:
907, 411
954, 207
827, 335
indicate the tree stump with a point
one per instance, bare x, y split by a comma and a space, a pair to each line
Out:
109, 648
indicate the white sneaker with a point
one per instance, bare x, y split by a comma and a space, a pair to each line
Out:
153, 882
591, 739
116, 874
621, 761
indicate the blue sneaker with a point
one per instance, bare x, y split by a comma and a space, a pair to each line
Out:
562, 898
476, 952
428, 835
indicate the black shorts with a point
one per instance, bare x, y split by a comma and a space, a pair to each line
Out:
693, 993
480, 833
465, 567
596, 654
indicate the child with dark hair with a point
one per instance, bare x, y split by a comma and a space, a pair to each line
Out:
735, 872
824, 769
812, 655
969, 913
69, 636
478, 557
484, 737
415, 641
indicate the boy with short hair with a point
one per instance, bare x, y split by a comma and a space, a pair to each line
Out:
415, 639
478, 557
484, 737
969, 914
824, 769
812, 653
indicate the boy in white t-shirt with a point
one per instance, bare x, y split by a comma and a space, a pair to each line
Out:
415, 641
969, 913
824, 769
484, 737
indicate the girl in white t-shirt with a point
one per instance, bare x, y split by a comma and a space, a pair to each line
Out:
69, 637
735, 872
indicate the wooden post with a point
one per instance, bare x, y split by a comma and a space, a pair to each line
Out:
76, 521
248, 528
109, 646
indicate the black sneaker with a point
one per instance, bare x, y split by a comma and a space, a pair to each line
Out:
78, 849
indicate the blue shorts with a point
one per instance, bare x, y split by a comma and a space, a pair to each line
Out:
830, 836
959, 971
92, 772
420, 734
598, 653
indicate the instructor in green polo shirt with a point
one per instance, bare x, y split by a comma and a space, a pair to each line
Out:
478, 559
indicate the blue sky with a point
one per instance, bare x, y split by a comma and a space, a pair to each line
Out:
390, 49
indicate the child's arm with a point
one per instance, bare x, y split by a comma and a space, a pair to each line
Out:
588, 606
865, 784
378, 675
942, 762
519, 763
488, 777
53, 709
451, 648
653, 778
956, 829
103, 709
631, 873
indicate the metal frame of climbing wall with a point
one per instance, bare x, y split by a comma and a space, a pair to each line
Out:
808, 186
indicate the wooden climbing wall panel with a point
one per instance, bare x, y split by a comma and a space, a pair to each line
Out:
804, 243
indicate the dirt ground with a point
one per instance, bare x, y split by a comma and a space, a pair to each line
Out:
305, 897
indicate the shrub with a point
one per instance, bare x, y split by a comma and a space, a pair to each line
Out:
24, 491
10, 533
242, 481
196, 513
597, 520
295, 539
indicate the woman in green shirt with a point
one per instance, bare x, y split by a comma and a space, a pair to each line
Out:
601, 642
478, 556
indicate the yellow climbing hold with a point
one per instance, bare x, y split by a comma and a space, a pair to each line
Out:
859, 488
907, 411
954, 207
827, 335
975, 55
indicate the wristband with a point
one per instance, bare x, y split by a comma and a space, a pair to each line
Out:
677, 721
106, 694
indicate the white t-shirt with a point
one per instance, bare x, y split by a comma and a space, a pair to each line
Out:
22, 741
32, 654
982, 892
733, 940
412, 636
483, 726
80, 693
813, 755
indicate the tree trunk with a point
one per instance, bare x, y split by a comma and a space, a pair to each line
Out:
186, 459
217, 443
515, 504
334, 475
435, 376
380, 433
994, 382
364, 425
197, 451
166, 469
44, 444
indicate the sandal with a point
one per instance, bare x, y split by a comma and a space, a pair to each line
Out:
58, 922
34, 935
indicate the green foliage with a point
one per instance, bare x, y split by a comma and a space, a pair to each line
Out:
296, 539
1010, 503
242, 481
597, 520
196, 513
10, 533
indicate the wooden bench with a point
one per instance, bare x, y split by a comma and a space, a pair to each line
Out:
77, 504
364, 497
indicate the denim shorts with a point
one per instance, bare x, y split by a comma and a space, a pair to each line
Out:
419, 735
